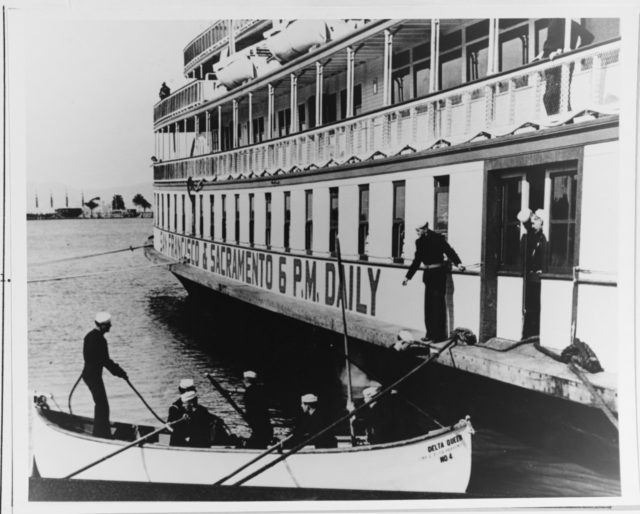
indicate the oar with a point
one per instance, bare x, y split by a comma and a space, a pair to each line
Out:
130, 445
145, 402
298, 447
226, 396
255, 459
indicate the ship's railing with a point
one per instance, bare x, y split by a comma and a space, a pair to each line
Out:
213, 38
185, 99
488, 108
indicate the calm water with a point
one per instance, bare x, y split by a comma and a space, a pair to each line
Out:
160, 335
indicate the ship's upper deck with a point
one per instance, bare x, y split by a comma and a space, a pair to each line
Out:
312, 92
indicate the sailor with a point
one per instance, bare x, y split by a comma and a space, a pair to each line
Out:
200, 428
310, 422
165, 91
257, 412
96, 356
533, 247
176, 410
380, 419
431, 248
552, 48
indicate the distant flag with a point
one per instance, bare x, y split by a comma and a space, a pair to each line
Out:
66, 199
51, 199
36, 200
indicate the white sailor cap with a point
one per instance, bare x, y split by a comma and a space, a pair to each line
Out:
371, 391
541, 213
250, 374
405, 335
524, 215
186, 384
189, 395
103, 317
309, 398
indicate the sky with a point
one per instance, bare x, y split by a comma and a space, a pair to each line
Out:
90, 87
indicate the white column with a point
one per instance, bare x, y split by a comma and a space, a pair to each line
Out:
386, 87
319, 70
270, 92
176, 141
234, 104
251, 137
350, 61
490, 54
435, 56
567, 34
293, 103
207, 128
232, 37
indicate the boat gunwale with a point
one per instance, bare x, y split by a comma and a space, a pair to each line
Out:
432, 434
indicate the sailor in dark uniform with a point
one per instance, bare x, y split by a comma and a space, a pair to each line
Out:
257, 412
552, 48
431, 248
381, 419
96, 357
200, 428
533, 247
310, 422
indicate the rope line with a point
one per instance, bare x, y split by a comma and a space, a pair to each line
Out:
78, 257
97, 273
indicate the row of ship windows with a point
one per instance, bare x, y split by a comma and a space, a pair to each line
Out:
169, 212
560, 257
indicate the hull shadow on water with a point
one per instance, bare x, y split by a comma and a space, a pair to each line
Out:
527, 444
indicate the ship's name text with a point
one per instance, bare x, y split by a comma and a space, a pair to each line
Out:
309, 279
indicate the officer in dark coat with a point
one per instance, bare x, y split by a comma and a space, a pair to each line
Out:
533, 248
431, 248
257, 412
553, 47
310, 422
96, 357
165, 91
200, 428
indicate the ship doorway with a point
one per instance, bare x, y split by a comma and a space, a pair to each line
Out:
504, 287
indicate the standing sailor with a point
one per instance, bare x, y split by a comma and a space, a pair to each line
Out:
96, 357
431, 248
257, 412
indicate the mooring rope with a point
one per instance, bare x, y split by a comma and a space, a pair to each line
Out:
96, 273
78, 257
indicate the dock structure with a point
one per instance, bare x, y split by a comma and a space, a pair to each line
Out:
523, 366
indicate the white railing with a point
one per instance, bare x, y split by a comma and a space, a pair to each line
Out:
496, 106
187, 97
211, 39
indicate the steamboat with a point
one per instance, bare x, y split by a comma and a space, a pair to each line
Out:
292, 132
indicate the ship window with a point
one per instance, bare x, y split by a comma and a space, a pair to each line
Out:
477, 30
333, 218
194, 200
258, 130
363, 221
162, 211
329, 107
237, 220
267, 223
401, 85
201, 212
510, 205
311, 107
184, 221
287, 221
251, 218
357, 101
302, 120
514, 48
224, 218
421, 52
284, 122
477, 60
400, 59
562, 221
308, 225
441, 204
175, 212
421, 72
169, 212
450, 70
397, 230
212, 224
